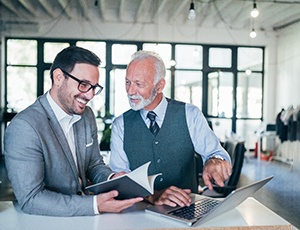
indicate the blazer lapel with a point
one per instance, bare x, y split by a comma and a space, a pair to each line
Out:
80, 143
58, 132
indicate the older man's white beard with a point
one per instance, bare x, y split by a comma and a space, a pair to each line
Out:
143, 102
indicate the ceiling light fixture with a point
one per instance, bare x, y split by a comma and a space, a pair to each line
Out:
253, 33
192, 13
248, 72
254, 11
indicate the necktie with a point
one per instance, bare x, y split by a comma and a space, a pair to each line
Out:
154, 128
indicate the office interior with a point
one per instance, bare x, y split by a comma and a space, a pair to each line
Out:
214, 80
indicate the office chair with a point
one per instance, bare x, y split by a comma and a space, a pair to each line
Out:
236, 151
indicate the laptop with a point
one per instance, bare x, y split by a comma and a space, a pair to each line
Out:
204, 208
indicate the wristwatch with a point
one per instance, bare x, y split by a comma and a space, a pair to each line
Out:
217, 157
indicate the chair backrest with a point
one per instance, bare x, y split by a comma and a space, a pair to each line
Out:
236, 150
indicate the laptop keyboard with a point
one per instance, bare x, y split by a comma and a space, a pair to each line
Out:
195, 210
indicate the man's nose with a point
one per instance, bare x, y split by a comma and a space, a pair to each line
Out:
131, 89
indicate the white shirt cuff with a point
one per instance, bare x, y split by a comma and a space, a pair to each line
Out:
95, 206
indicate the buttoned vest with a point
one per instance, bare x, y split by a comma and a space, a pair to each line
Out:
171, 152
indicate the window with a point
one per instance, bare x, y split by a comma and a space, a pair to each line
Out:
121, 54
188, 87
21, 73
188, 57
51, 49
164, 50
99, 48
118, 96
249, 95
18, 51
250, 58
226, 82
21, 87
220, 57
220, 94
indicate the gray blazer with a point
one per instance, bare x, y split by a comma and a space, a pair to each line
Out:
40, 165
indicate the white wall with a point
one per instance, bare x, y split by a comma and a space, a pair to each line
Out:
288, 68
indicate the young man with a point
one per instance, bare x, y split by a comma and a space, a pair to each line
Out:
51, 148
168, 137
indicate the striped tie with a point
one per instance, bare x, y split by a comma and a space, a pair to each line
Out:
154, 128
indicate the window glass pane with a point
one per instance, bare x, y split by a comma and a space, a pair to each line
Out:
188, 57
121, 54
118, 96
249, 96
250, 58
21, 52
221, 127
98, 105
51, 49
246, 130
47, 81
220, 94
220, 57
98, 102
99, 48
164, 51
188, 87
21, 87
167, 89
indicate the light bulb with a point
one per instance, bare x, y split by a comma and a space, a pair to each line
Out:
254, 11
172, 62
253, 33
192, 13
248, 72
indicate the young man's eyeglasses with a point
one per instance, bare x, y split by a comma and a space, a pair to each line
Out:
85, 86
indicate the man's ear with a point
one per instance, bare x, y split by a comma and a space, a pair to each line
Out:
160, 85
58, 77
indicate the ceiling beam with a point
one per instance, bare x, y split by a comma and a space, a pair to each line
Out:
286, 24
28, 6
47, 7
65, 5
9, 5
161, 5
140, 12
101, 8
84, 9
122, 10
179, 8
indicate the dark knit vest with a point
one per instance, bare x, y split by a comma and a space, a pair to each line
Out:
171, 152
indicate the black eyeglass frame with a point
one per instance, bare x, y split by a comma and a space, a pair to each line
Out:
85, 82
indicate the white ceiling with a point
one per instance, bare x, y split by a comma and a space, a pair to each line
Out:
232, 14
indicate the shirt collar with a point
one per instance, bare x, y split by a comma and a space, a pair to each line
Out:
160, 110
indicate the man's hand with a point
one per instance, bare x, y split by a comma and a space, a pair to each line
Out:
106, 202
171, 196
118, 174
216, 170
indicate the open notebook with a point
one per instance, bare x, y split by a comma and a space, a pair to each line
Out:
205, 208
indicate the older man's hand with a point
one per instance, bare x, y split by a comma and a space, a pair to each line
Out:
171, 196
217, 171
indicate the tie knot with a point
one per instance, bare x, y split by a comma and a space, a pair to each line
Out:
151, 115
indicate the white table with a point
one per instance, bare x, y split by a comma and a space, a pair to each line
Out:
249, 213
